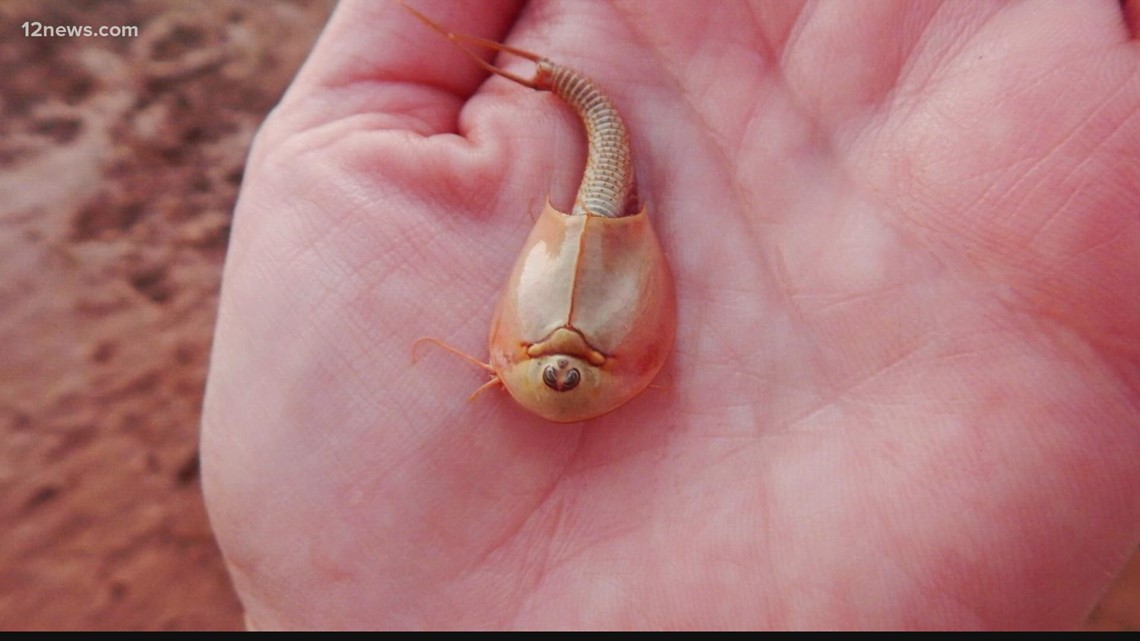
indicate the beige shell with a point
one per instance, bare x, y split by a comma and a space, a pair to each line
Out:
589, 294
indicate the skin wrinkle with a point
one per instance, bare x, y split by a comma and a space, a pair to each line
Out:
903, 88
551, 564
909, 54
395, 468
900, 562
1057, 148
965, 36
799, 423
273, 589
611, 461
476, 177
926, 240
421, 109
441, 476
1059, 211
771, 47
836, 302
766, 547
521, 526
1060, 338
402, 104
1042, 159
1082, 256
792, 41
301, 226
744, 196
556, 554
290, 336
916, 107
725, 140
920, 576
809, 103
841, 392
1079, 189
813, 588
846, 169
1105, 356
1038, 318
428, 248
687, 100
734, 349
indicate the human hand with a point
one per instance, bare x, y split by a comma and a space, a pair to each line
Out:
904, 391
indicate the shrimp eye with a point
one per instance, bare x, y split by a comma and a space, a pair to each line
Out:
561, 378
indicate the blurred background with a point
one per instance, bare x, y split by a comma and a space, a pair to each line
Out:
120, 160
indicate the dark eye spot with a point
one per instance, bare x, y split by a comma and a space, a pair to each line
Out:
559, 379
571, 380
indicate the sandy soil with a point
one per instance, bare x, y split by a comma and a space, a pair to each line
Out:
120, 160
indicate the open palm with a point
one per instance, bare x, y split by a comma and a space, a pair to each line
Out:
905, 389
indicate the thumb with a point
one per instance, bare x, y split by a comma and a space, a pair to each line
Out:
376, 58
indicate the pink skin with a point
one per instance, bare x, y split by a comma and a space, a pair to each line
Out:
904, 391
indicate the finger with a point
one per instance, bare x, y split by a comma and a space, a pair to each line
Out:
1131, 10
376, 58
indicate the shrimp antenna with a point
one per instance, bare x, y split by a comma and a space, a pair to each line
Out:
458, 38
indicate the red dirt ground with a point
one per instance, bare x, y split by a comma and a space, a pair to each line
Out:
120, 159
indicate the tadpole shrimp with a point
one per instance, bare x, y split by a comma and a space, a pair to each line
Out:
588, 315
